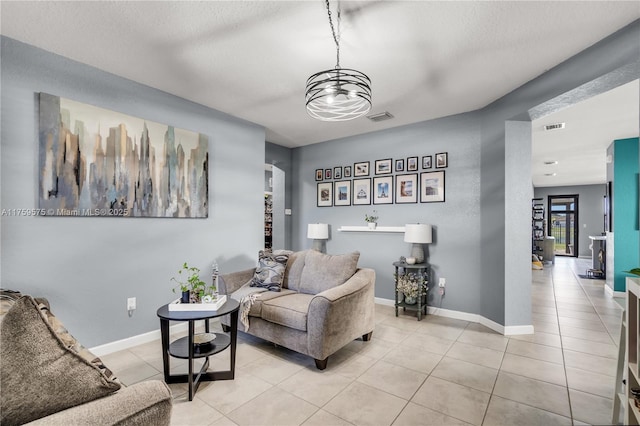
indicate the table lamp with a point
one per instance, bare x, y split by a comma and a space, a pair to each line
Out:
318, 232
417, 234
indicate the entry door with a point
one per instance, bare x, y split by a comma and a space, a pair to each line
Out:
562, 221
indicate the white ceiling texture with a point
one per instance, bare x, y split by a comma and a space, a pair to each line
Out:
426, 59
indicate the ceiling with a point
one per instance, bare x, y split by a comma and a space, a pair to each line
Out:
251, 59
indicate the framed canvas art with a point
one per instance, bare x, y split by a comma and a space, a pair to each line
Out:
342, 193
325, 194
406, 188
432, 187
383, 190
98, 162
361, 191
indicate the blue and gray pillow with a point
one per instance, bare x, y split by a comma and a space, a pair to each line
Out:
270, 271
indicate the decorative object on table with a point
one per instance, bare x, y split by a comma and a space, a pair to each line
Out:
383, 167
383, 190
426, 162
399, 167
338, 94
193, 285
342, 193
361, 191
325, 194
407, 188
634, 271
97, 162
417, 234
361, 169
432, 187
442, 160
372, 221
319, 233
204, 338
412, 285
411, 260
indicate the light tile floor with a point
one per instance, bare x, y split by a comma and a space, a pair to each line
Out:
438, 371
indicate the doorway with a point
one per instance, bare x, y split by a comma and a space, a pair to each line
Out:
562, 223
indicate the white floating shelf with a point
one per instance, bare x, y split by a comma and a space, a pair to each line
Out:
398, 229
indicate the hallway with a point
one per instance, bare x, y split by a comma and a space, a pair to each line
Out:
577, 315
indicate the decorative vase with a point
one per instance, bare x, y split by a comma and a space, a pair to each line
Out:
372, 225
410, 300
400, 297
186, 295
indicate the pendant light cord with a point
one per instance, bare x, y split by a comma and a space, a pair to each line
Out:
336, 35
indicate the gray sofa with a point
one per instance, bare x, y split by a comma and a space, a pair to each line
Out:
325, 302
48, 378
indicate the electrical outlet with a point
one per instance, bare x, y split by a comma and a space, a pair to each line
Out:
131, 303
442, 282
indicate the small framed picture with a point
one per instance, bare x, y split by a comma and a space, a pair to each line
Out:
361, 169
325, 194
426, 162
347, 171
412, 164
383, 190
407, 188
337, 172
399, 165
319, 174
383, 167
361, 191
342, 193
442, 160
432, 187
327, 174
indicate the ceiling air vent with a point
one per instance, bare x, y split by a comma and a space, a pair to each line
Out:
380, 117
555, 126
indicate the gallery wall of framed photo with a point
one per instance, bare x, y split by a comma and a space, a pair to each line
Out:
403, 180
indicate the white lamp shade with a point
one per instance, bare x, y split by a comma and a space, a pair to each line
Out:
318, 231
417, 233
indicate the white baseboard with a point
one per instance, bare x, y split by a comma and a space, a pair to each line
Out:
129, 342
612, 293
465, 316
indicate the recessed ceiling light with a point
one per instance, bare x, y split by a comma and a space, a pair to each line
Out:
380, 116
550, 163
549, 174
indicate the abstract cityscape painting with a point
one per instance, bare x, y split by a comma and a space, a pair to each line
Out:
97, 162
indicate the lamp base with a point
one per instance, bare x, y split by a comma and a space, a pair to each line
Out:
319, 245
417, 251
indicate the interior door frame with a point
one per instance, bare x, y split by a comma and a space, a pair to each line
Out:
576, 212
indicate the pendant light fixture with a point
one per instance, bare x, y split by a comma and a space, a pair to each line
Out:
338, 94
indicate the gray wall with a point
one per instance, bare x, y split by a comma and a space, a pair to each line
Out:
484, 188
455, 252
590, 210
87, 267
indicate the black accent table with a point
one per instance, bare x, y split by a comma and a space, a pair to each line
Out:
185, 348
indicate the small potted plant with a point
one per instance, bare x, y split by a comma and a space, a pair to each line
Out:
193, 288
372, 221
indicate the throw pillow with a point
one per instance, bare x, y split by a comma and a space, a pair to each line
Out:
270, 271
71, 343
39, 374
324, 271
